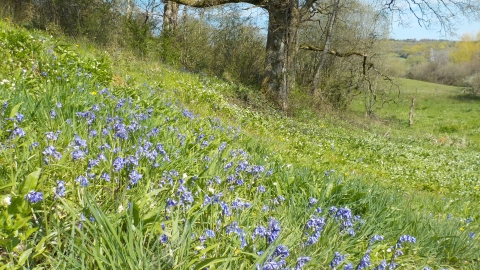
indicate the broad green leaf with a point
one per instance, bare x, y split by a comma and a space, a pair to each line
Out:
24, 257
30, 182
15, 109
136, 213
20, 223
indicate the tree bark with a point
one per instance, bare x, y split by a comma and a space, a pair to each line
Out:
280, 50
170, 16
323, 58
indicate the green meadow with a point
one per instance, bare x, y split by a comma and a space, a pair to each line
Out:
112, 162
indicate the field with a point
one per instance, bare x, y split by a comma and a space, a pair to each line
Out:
111, 162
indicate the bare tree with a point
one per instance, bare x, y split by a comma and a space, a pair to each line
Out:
323, 59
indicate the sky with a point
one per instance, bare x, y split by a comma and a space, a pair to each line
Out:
417, 32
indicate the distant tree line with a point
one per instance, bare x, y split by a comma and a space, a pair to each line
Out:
446, 62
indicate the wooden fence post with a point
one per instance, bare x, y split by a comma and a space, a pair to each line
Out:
410, 119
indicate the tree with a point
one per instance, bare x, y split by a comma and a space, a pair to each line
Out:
285, 17
170, 16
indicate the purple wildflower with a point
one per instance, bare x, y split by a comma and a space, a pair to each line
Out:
273, 230
280, 251
19, 117
33, 196
77, 154
82, 180
301, 262
337, 259
18, 132
405, 238
105, 176
163, 239
365, 261
134, 177
118, 164
60, 189
225, 209
188, 114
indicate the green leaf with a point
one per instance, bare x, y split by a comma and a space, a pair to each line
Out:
30, 182
15, 110
136, 213
7, 185
211, 261
20, 223
23, 258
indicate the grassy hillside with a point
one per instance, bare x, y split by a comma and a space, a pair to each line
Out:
110, 162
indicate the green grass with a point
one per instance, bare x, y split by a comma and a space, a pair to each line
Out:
445, 115
397, 184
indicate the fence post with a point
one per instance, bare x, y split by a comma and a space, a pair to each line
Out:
410, 119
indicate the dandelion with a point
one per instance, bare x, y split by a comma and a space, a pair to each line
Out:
33, 196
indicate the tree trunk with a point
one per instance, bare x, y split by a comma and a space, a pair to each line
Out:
170, 16
283, 15
323, 58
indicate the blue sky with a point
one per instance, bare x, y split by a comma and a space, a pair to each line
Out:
417, 32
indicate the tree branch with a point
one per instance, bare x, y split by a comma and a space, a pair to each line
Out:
210, 3
332, 52
366, 65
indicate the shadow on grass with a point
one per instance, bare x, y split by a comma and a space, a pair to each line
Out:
466, 97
